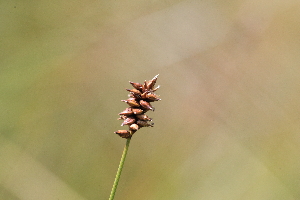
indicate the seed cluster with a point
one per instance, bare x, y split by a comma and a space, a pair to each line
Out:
139, 103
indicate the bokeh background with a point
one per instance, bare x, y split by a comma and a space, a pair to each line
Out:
227, 126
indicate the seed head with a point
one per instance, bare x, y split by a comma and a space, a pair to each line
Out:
139, 103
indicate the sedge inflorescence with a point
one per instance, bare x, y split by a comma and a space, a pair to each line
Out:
139, 102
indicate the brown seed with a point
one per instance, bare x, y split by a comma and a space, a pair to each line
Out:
146, 105
137, 86
137, 111
143, 117
151, 83
134, 127
128, 121
127, 111
132, 102
123, 133
152, 97
135, 93
144, 124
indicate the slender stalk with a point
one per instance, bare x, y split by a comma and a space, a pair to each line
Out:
118, 175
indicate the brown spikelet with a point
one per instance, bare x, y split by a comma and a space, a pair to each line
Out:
139, 103
123, 133
126, 112
152, 97
143, 117
128, 121
142, 123
132, 102
134, 127
137, 111
146, 105
137, 86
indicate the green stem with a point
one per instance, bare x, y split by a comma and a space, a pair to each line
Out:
115, 185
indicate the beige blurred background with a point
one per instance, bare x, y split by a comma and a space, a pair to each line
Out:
228, 124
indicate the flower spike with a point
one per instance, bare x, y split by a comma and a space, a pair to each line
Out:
139, 103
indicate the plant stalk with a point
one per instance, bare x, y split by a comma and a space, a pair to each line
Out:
118, 175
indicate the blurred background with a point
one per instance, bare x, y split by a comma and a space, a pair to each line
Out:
227, 126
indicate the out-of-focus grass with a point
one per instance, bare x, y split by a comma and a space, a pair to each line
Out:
227, 126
